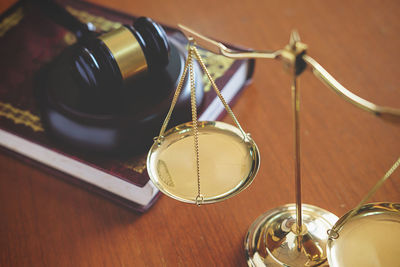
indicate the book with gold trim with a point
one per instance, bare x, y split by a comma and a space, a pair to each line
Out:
29, 41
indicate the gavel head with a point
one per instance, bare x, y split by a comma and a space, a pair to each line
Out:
116, 57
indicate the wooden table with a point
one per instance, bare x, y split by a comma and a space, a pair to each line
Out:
47, 222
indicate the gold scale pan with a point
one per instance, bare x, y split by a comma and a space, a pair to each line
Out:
202, 162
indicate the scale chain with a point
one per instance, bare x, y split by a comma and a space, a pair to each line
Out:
334, 232
199, 198
175, 99
227, 108
189, 70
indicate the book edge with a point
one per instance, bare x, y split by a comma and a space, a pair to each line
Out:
140, 195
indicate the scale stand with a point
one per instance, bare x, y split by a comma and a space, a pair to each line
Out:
293, 234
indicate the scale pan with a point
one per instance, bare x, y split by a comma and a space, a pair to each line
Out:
228, 162
369, 238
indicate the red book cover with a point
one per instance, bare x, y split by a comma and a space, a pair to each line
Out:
28, 41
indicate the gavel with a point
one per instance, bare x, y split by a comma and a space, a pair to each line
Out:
119, 56
115, 57
110, 92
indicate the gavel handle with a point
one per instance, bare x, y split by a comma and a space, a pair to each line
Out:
62, 17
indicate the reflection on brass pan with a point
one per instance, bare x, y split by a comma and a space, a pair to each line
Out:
228, 162
369, 238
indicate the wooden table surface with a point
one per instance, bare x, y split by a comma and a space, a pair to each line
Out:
47, 222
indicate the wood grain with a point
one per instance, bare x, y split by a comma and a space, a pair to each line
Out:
47, 222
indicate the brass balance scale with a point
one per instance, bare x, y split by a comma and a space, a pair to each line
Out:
206, 162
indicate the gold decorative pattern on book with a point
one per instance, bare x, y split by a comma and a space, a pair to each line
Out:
20, 116
11, 21
69, 38
217, 65
137, 164
99, 22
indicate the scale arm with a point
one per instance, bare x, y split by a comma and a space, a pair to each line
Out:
220, 49
332, 83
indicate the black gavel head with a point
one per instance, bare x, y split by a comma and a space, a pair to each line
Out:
113, 58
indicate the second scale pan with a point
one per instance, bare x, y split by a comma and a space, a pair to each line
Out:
369, 238
228, 162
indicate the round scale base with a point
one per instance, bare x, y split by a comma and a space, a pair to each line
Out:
272, 241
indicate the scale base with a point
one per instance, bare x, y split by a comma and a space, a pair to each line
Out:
272, 241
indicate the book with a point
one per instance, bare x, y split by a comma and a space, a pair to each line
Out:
28, 41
